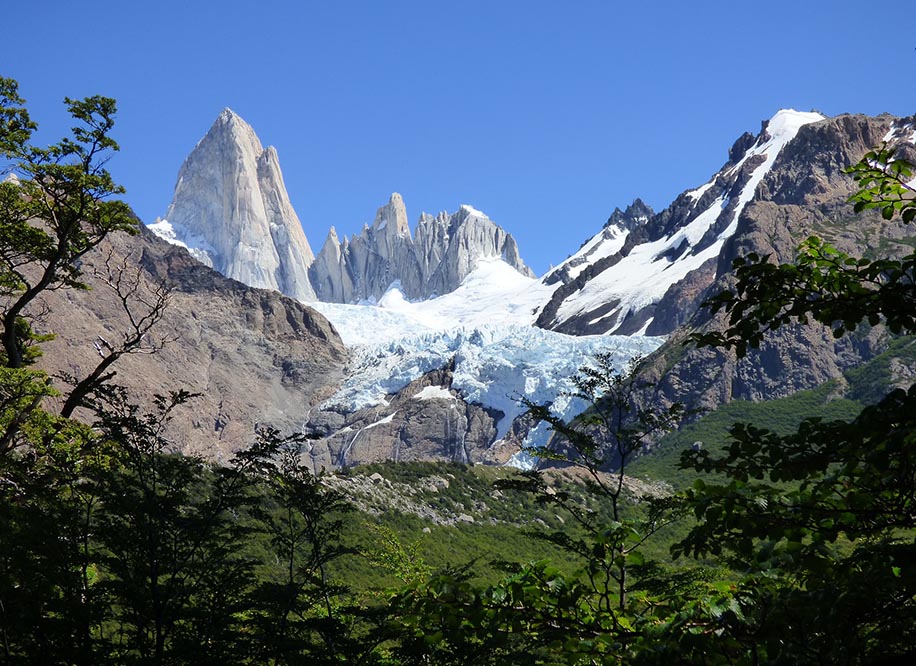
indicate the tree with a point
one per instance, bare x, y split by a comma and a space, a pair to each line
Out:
55, 206
58, 208
538, 614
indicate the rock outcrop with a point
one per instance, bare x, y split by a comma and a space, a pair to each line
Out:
426, 420
445, 250
232, 211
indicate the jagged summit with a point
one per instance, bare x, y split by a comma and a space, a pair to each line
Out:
444, 250
635, 214
392, 217
232, 212
227, 115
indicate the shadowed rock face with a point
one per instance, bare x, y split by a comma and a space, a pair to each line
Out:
231, 204
254, 356
446, 249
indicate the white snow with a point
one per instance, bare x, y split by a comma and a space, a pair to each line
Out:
486, 328
178, 235
382, 421
642, 277
700, 191
434, 393
607, 242
895, 129
474, 211
494, 293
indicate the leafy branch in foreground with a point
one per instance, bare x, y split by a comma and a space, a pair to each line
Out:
57, 209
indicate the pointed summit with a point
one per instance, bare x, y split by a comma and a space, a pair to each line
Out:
392, 217
232, 210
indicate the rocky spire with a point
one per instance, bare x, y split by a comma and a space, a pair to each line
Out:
444, 251
231, 207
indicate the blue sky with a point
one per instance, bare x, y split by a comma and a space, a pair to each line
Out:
545, 115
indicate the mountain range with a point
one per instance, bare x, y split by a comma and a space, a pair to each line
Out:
437, 332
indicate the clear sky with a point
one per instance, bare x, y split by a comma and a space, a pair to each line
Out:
545, 115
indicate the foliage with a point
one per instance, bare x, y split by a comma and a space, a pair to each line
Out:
539, 613
820, 522
57, 210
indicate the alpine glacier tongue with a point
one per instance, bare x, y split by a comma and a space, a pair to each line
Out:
232, 211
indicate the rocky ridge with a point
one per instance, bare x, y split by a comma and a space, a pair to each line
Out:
445, 250
644, 273
805, 193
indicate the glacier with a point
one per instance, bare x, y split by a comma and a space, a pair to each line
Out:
485, 329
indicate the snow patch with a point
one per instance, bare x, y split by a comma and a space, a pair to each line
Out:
387, 419
474, 211
176, 234
434, 393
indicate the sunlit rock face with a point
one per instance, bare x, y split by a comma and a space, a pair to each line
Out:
445, 250
232, 211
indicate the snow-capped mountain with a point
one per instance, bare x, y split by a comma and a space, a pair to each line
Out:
453, 329
232, 212
639, 265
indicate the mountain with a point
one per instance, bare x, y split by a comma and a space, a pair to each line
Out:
231, 210
644, 272
805, 193
251, 355
459, 329
446, 249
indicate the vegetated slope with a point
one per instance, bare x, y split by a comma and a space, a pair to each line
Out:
253, 355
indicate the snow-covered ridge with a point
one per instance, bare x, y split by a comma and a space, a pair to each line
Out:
650, 269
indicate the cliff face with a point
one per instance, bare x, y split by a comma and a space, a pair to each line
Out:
231, 209
426, 420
